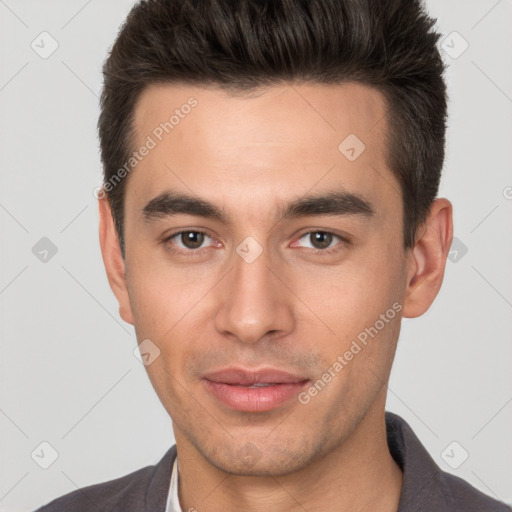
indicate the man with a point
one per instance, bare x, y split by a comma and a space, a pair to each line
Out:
269, 217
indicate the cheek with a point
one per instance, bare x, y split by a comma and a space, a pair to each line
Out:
171, 309
152, 306
351, 297
163, 295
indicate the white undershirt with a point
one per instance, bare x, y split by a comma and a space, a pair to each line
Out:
173, 502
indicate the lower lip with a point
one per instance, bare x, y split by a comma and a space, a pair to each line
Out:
257, 399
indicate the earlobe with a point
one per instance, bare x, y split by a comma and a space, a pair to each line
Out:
113, 260
427, 259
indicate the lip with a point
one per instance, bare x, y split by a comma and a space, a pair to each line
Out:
230, 386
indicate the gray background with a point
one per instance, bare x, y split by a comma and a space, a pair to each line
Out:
68, 373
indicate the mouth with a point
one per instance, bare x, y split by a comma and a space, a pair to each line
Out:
254, 390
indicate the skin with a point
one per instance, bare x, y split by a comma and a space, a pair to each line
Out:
293, 308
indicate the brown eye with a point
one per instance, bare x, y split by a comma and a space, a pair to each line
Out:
192, 239
190, 243
320, 239
322, 242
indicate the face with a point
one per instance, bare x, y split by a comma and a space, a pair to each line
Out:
274, 290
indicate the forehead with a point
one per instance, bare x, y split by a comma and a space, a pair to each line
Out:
272, 143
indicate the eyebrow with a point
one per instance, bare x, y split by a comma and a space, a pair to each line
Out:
330, 203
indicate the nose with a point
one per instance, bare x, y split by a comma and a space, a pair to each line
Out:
254, 301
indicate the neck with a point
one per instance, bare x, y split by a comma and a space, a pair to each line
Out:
358, 475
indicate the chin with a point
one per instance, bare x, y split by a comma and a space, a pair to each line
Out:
262, 458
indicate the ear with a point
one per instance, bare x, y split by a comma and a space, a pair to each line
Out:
113, 260
427, 259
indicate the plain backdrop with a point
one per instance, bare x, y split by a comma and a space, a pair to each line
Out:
68, 376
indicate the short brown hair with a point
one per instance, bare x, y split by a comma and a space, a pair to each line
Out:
244, 44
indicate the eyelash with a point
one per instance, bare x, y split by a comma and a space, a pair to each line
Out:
193, 252
342, 242
190, 253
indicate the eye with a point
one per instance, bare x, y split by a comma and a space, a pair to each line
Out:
321, 240
190, 240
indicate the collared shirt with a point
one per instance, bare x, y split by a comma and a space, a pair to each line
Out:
173, 502
425, 487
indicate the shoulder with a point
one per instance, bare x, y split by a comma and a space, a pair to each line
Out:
425, 485
129, 492
464, 497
